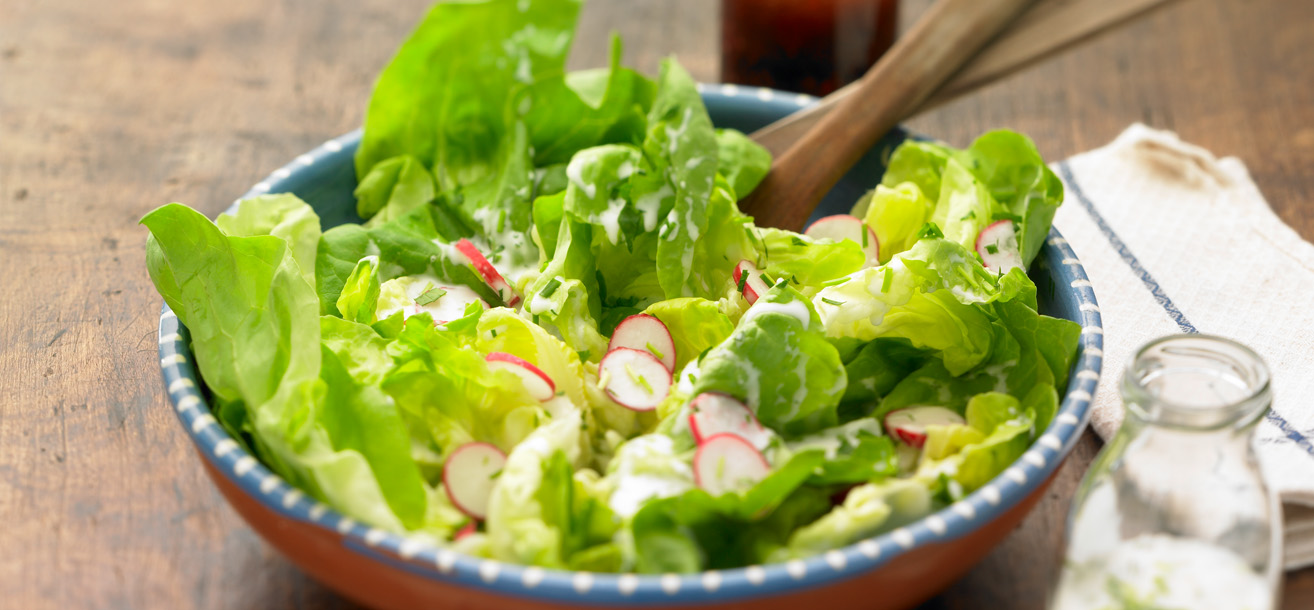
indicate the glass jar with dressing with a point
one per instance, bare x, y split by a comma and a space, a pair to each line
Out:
1174, 513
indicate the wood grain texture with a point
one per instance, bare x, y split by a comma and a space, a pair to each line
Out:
108, 110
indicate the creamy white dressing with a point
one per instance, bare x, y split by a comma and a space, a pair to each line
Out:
647, 468
574, 174
673, 135
688, 376
450, 306
610, 220
794, 309
832, 440
634, 490
650, 205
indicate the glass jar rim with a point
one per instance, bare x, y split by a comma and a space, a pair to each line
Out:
1238, 411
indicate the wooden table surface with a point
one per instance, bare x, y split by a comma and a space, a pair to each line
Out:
110, 109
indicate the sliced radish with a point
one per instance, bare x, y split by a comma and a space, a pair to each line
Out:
540, 386
726, 462
909, 425
634, 378
488, 272
713, 413
647, 333
997, 245
842, 226
469, 474
753, 286
468, 529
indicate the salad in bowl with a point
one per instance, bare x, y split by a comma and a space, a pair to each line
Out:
551, 338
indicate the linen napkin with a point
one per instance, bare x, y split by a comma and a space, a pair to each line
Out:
1175, 240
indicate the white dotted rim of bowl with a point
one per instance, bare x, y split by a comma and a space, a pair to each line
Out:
422, 557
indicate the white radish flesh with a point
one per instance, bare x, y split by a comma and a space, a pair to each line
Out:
997, 245
749, 280
842, 226
469, 475
540, 386
725, 462
635, 379
487, 272
713, 413
909, 425
646, 333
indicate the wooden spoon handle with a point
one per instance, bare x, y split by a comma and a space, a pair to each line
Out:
943, 39
1043, 30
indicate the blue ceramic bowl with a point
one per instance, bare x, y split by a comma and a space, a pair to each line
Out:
385, 570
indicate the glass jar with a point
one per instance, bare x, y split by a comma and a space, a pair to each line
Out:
1174, 513
808, 46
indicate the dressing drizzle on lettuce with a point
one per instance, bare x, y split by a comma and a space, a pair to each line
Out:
352, 360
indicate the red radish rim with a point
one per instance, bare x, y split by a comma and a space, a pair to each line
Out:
487, 271
756, 275
693, 427
914, 433
611, 343
669, 377
521, 362
728, 436
872, 241
447, 489
977, 245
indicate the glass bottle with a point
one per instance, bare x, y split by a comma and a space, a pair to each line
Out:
808, 46
1174, 513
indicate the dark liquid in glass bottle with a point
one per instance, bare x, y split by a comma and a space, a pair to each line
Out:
809, 46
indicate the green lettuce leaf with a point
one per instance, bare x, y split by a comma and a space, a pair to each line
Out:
896, 214
526, 523
579, 110
696, 325
809, 264
743, 162
392, 188
695, 531
782, 368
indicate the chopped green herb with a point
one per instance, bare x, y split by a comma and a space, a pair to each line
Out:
501, 221
431, 293
798, 241
656, 352
888, 281
493, 332
743, 279
930, 230
583, 356
765, 280
637, 378
495, 474
991, 248
864, 236
550, 288
835, 282
970, 215
831, 302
